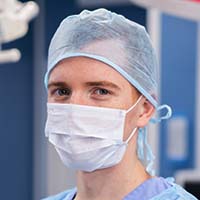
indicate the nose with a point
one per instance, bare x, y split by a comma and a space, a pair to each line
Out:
78, 98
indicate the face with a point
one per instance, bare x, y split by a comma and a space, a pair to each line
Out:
86, 81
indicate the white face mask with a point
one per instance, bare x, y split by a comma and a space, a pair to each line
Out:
87, 138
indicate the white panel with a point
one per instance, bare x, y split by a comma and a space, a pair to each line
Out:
39, 142
182, 176
153, 26
177, 135
181, 8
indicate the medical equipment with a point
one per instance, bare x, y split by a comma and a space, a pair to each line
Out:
183, 8
14, 19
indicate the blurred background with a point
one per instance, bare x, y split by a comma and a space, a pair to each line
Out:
29, 167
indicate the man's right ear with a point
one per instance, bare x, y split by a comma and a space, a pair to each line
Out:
147, 111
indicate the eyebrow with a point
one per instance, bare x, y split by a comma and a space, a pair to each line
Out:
103, 84
56, 84
92, 83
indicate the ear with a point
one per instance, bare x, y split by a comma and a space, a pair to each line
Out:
147, 110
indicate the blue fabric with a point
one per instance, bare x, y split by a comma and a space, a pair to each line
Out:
153, 189
144, 151
117, 41
66, 195
149, 189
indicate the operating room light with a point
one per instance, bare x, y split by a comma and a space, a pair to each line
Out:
14, 19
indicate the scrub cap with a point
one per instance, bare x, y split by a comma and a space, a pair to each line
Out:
110, 38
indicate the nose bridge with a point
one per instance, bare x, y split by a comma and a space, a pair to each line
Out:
78, 97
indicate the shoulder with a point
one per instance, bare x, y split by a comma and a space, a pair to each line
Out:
66, 195
175, 192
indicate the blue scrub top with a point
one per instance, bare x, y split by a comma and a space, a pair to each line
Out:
156, 188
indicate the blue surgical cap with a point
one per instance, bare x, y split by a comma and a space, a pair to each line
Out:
113, 39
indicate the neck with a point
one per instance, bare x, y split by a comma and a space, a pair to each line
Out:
111, 183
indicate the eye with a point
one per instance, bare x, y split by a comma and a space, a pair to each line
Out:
59, 94
101, 91
63, 92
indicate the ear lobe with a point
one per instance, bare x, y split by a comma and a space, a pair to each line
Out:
147, 112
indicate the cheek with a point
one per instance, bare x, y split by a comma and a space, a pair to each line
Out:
49, 98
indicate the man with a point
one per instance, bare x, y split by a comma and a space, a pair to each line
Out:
102, 84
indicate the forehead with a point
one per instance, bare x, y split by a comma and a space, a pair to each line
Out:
86, 69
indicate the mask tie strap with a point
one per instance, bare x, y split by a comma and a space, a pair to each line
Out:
149, 155
144, 151
166, 116
135, 104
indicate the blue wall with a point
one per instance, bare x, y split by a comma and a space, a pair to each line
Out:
16, 86
178, 62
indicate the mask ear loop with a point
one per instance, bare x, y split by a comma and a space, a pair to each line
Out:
166, 116
135, 104
134, 130
131, 135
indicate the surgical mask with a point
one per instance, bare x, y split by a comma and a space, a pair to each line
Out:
87, 138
